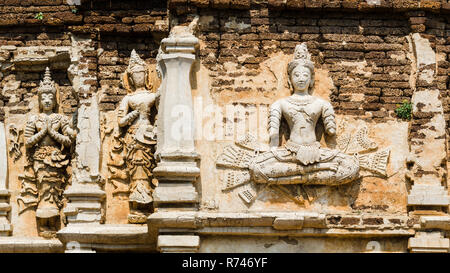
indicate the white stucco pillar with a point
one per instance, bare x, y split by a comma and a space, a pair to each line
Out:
85, 194
177, 167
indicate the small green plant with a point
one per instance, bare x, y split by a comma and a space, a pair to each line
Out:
404, 110
39, 16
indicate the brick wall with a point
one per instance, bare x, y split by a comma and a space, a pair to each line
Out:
379, 40
115, 27
337, 32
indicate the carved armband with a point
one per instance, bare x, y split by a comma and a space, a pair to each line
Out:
129, 118
274, 119
67, 130
329, 120
65, 137
31, 137
33, 140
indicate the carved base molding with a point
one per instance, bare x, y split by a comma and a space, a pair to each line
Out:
175, 193
270, 224
183, 232
435, 222
30, 245
98, 238
178, 243
426, 242
428, 195
176, 174
5, 207
5, 226
85, 203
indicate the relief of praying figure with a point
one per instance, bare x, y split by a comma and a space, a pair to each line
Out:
132, 157
301, 160
48, 140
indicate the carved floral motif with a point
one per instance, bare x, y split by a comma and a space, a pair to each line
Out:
14, 142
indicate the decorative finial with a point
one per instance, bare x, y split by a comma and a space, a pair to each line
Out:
301, 52
301, 57
136, 63
47, 85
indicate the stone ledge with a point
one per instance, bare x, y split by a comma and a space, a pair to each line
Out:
435, 222
178, 243
105, 234
426, 242
202, 219
29, 245
305, 232
36, 58
279, 223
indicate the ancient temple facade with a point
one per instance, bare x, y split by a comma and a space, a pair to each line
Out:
224, 126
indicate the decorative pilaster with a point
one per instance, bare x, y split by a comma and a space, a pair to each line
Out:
428, 148
5, 207
178, 160
178, 243
427, 171
85, 195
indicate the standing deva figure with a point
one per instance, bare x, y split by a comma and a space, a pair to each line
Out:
48, 140
301, 160
132, 157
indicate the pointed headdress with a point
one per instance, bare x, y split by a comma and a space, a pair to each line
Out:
302, 58
47, 85
136, 63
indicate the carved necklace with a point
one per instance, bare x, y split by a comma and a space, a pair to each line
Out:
299, 111
53, 117
300, 101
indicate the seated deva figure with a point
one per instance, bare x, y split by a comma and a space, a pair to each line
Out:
301, 160
132, 158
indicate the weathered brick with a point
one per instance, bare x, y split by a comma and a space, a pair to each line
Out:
373, 221
375, 55
240, 4
417, 20
200, 3
295, 4
313, 3
418, 28
350, 221
389, 92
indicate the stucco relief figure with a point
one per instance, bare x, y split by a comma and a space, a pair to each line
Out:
301, 160
48, 140
132, 157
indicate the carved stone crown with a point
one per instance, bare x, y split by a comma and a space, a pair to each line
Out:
136, 63
47, 85
301, 57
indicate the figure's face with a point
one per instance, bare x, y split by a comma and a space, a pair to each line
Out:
301, 78
138, 79
47, 101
